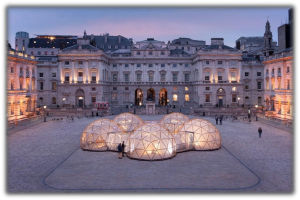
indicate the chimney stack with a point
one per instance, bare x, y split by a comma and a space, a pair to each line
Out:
119, 38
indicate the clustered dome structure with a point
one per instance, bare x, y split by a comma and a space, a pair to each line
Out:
173, 121
95, 136
151, 141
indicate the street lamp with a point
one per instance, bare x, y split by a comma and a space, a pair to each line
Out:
239, 101
256, 112
45, 113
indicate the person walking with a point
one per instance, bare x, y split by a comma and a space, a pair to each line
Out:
120, 150
259, 132
123, 149
216, 119
221, 118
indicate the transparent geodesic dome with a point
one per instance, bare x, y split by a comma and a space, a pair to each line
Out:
151, 142
95, 136
184, 141
173, 121
128, 121
206, 135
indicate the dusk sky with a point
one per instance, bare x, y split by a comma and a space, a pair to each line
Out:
139, 23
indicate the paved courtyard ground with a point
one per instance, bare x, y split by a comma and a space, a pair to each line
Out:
47, 158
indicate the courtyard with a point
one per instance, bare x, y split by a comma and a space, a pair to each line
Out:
47, 158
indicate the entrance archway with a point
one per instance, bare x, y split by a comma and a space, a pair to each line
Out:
163, 96
138, 97
150, 95
79, 96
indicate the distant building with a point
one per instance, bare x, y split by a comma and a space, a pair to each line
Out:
285, 32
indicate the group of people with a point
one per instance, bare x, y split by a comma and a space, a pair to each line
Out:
121, 150
219, 118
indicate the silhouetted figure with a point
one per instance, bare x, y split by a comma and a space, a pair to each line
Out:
259, 132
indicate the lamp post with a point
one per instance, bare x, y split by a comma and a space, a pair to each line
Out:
238, 101
256, 112
45, 113
249, 114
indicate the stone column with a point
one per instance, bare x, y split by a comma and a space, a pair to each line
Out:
59, 72
226, 71
200, 72
73, 71
86, 71
214, 72
240, 72
30, 79
17, 80
99, 71
276, 80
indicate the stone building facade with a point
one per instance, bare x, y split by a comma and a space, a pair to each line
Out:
21, 84
182, 73
278, 95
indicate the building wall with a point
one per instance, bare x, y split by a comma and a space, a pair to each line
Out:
278, 95
21, 84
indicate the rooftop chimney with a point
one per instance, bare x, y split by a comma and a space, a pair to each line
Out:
217, 41
119, 38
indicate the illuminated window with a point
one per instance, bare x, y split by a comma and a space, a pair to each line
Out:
233, 76
174, 88
187, 97
233, 88
114, 97
175, 97
186, 89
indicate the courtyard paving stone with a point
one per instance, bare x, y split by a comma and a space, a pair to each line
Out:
47, 158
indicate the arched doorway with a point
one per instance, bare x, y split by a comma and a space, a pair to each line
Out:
79, 96
150, 95
138, 97
163, 96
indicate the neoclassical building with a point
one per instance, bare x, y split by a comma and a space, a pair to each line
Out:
182, 73
217, 75
279, 84
21, 84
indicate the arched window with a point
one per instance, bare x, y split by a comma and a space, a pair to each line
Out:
53, 100
187, 97
175, 97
